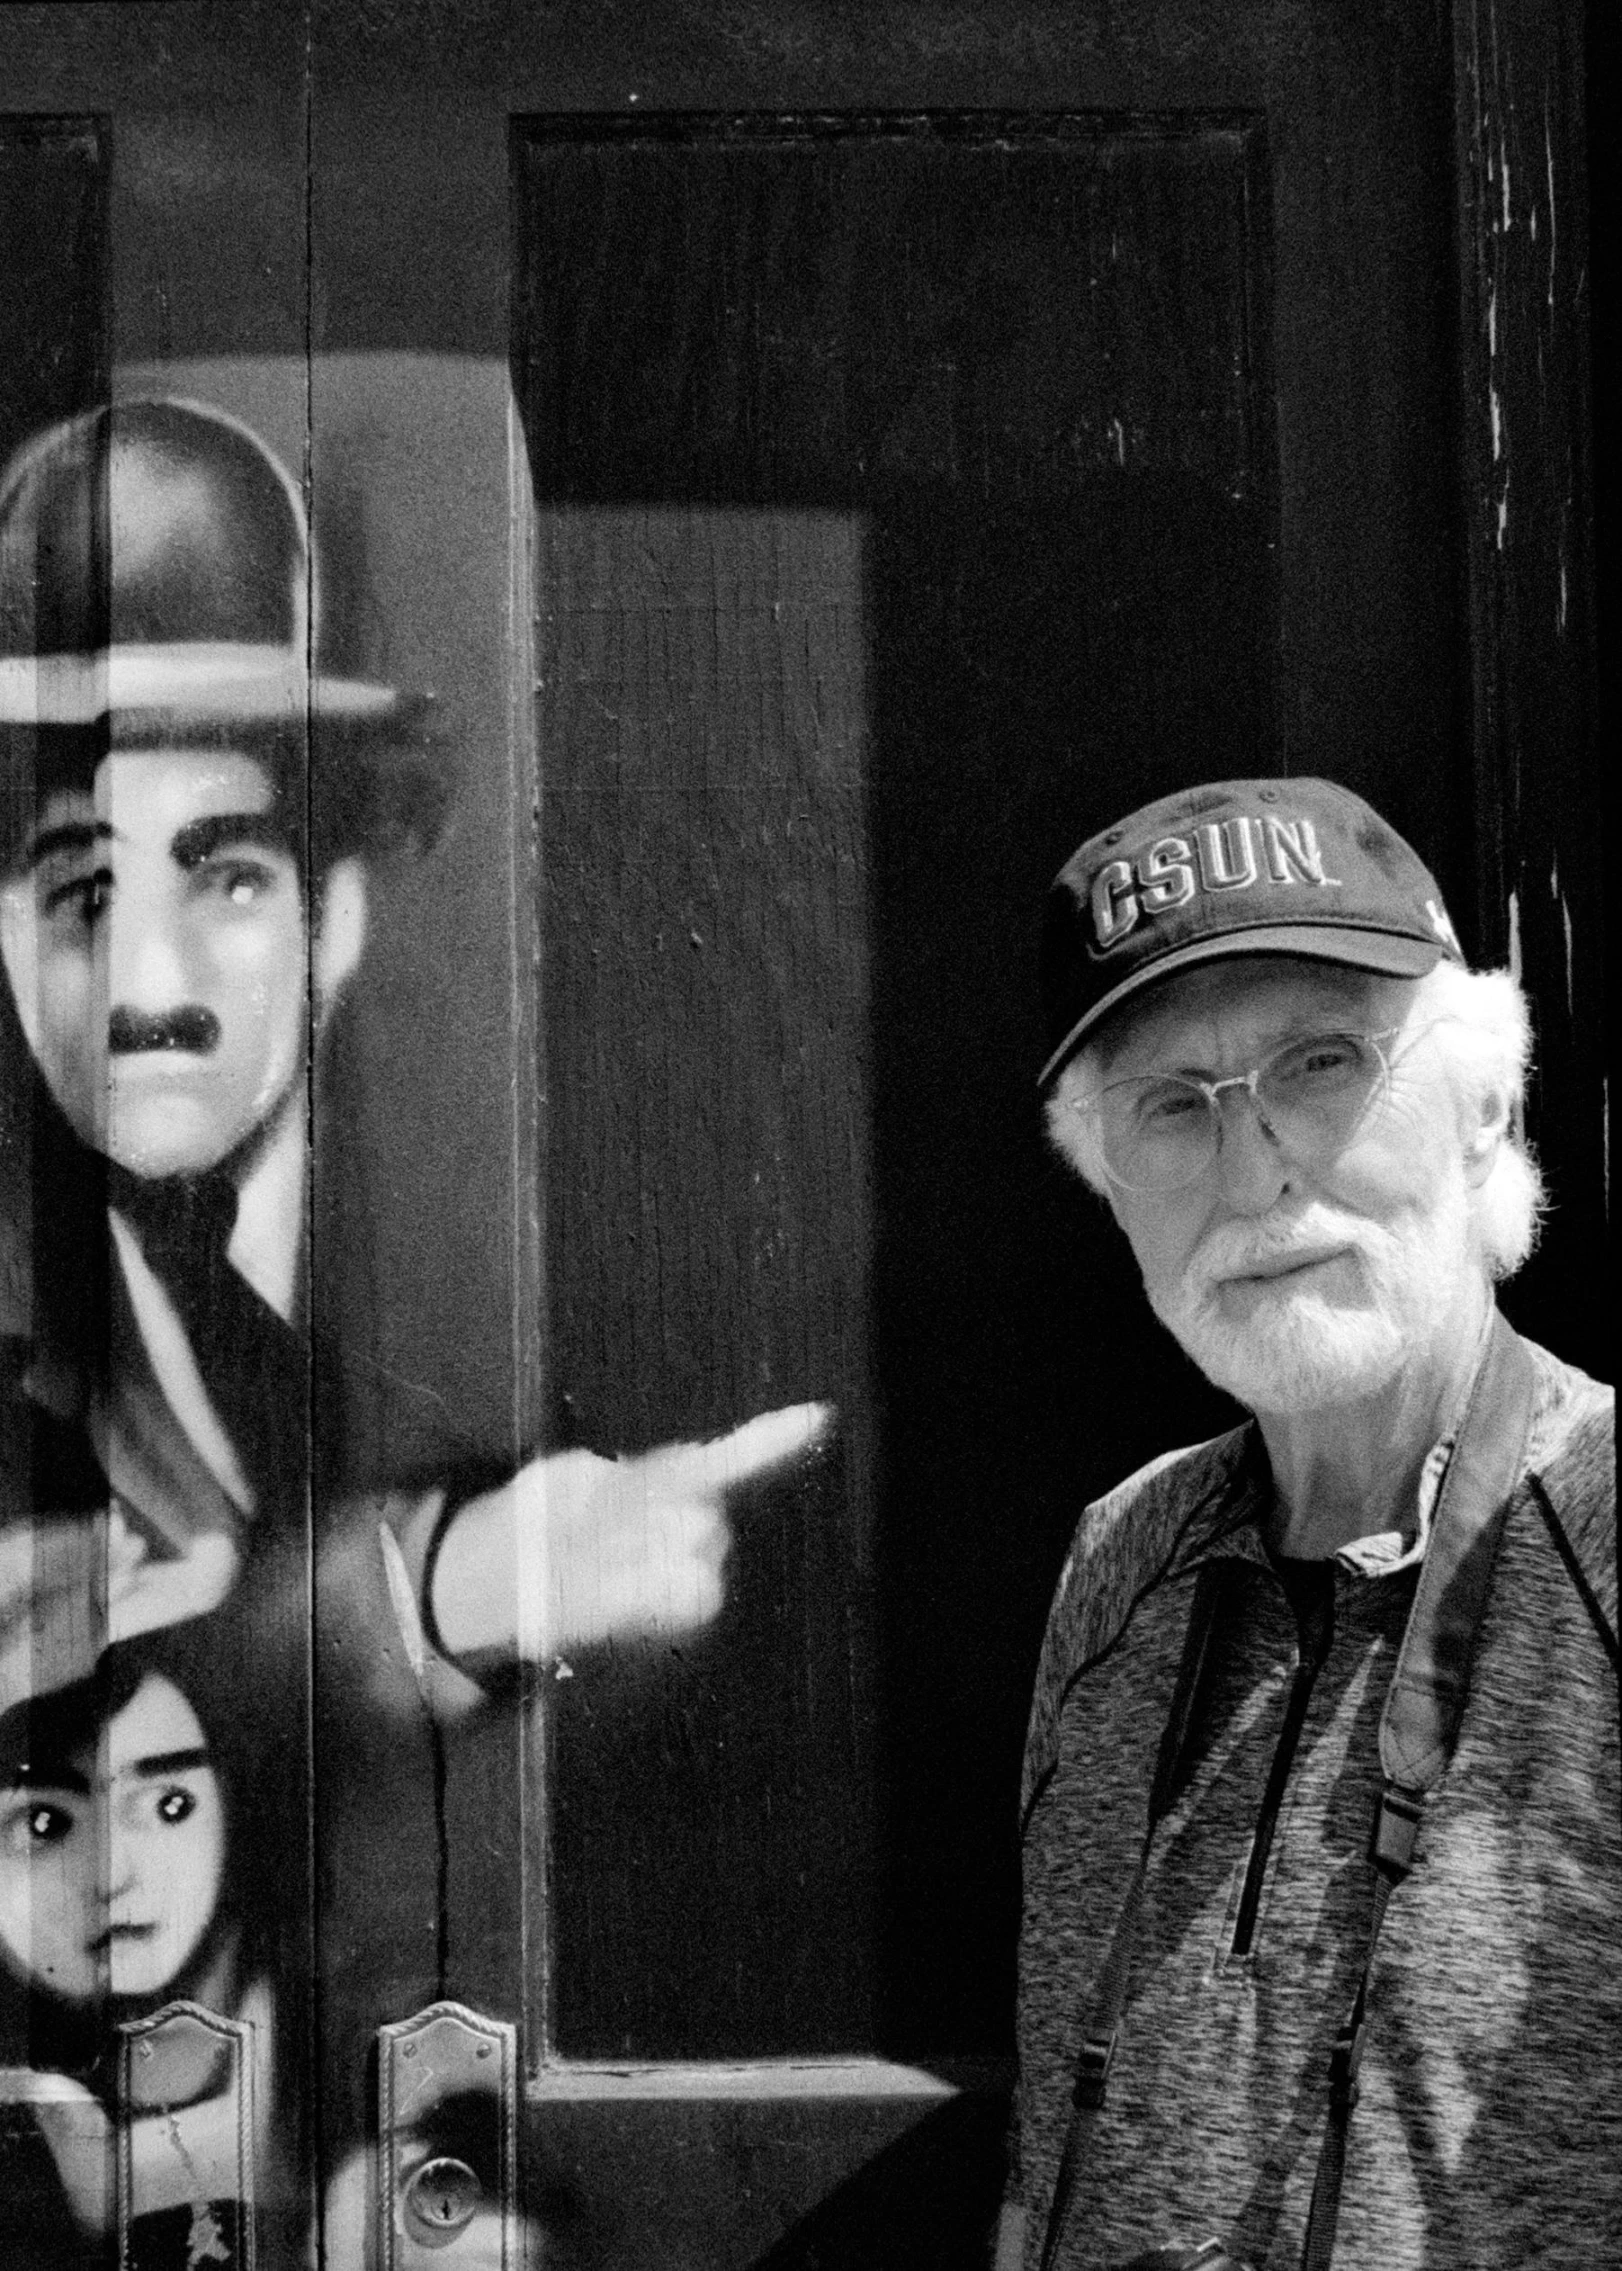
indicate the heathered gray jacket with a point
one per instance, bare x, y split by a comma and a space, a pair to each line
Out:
1489, 2132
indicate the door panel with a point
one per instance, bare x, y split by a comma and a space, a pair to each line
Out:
53, 250
876, 465
54, 194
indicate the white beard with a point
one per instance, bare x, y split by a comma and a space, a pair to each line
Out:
1331, 1337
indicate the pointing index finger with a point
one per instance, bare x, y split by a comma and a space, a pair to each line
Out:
760, 1443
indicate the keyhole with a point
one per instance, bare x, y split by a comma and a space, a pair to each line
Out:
441, 2199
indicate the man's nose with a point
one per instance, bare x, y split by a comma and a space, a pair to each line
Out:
148, 967
1250, 1164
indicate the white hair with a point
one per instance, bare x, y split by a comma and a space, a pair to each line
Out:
1483, 1029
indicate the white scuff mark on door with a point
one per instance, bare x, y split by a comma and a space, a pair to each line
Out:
1605, 1138
1515, 937
1492, 321
1497, 415
1503, 182
1503, 517
1565, 923
205, 2243
1548, 159
1564, 595
1118, 435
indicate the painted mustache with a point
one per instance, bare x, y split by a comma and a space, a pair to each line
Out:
193, 1029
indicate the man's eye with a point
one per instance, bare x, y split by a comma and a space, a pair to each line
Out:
1330, 1061
83, 897
176, 1805
1169, 1101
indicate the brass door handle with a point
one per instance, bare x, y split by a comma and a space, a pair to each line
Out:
447, 2141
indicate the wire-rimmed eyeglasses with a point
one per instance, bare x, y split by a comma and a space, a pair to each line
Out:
1161, 1131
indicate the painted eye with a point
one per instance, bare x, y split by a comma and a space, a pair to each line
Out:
176, 1806
37, 1824
84, 899
244, 881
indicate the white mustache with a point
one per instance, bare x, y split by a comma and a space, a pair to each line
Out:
1238, 1249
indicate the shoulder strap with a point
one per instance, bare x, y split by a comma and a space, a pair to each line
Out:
1101, 2019
1585, 1579
1419, 1727
1425, 1702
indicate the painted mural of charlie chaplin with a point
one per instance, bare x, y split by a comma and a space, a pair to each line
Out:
193, 813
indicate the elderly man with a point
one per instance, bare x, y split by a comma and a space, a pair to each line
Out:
1320, 1825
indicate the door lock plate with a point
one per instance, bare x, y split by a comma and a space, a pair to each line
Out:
447, 2140
188, 2133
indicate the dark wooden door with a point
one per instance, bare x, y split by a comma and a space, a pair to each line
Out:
823, 466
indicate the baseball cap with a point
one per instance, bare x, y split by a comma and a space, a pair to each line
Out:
1296, 866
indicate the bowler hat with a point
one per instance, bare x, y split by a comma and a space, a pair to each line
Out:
156, 581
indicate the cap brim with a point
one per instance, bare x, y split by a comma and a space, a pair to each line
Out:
198, 684
1387, 954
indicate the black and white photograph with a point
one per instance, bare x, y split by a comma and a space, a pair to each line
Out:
806, 1459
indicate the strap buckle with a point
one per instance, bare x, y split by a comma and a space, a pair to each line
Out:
1093, 2062
1396, 1827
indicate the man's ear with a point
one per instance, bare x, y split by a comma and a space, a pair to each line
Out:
340, 934
19, 950
1486, 1132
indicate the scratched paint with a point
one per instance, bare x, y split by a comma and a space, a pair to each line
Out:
1537, 752
1560, 901
1605, 1149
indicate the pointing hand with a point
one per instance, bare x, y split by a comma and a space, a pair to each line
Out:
578, 1548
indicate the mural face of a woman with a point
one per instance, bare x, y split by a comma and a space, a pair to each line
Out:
112, 1859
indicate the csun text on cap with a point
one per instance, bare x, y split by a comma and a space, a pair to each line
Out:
1216, 857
